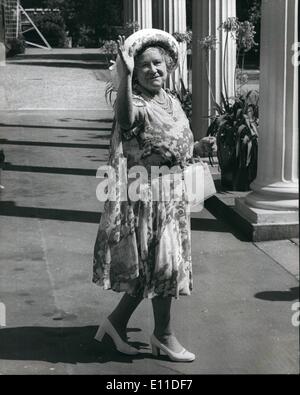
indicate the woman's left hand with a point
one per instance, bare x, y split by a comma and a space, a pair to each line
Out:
205, 147
126, 56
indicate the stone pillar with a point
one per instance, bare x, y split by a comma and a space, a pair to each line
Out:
207, 18
273, 204
170, 16
138, 11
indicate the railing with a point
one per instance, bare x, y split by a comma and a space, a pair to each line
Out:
29, 22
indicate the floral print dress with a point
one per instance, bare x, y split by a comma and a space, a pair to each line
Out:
143, 247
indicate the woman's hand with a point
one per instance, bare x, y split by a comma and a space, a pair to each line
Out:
127, 59
205, 147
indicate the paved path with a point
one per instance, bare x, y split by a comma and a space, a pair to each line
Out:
54, 130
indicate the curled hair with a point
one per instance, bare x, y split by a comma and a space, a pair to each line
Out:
170, 63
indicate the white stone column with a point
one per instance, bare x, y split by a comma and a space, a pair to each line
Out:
138, 11
274, 199
170, 16
208, 15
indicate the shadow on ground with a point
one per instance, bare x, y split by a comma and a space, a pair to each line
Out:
53, 144
77, 65
108, 120
51, 170
54, 127
9, 208
64, 345
279, 296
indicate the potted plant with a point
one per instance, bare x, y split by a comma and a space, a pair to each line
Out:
235, 122
15, 46
235, 129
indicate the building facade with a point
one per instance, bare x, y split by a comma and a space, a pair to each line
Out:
9, 19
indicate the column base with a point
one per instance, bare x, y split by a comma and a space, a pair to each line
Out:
282, 196
262, 225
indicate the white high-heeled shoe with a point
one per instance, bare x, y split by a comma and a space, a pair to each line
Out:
182, 356
121, 346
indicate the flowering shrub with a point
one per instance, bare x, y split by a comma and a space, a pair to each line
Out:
182, 92
109, 47
208, 43
230, 25
184, 37
245, 36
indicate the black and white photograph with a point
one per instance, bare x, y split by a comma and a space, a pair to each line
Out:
149, 196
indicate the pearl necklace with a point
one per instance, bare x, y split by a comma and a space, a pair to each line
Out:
166, 104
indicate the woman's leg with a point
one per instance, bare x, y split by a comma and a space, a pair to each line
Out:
121, 315
162, 321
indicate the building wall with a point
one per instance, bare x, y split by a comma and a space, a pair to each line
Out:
10, 18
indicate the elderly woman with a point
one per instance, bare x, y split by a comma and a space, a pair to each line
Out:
143, 248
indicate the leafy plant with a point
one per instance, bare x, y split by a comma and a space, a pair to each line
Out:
129, 28
236, 132
15, 46
98, 15
52, 26
235, 123
109, 92
87, 37
110, 49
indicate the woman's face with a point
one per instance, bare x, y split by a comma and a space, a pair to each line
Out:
151, 70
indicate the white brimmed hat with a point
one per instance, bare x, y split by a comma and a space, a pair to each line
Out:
142, 39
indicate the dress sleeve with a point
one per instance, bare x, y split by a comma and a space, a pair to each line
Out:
139, 105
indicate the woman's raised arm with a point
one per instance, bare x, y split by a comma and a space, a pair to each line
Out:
125, 112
